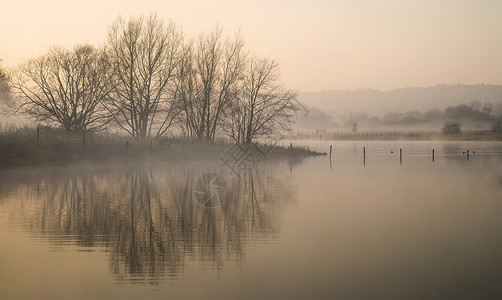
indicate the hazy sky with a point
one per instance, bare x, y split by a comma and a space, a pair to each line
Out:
320, 45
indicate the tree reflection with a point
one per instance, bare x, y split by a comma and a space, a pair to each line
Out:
149, 221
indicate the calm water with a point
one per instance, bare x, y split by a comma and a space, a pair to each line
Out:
310, 229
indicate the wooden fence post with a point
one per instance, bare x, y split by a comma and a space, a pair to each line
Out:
364, 155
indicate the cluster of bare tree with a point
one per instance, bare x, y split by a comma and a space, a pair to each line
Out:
149, 80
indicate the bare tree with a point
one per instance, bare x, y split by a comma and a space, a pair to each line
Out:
4, 84
64, 87
208, 78
2, 72
144, 53
262, 106
187, 92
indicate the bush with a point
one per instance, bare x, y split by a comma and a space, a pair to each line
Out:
497, 127
451, 128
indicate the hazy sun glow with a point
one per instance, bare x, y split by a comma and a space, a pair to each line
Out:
320, 45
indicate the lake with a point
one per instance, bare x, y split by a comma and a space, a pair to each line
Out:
379, 226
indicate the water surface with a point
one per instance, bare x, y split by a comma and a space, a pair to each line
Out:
381, 227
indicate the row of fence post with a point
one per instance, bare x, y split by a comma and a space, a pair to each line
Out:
84, 142
83, 138
400, 154
346, 134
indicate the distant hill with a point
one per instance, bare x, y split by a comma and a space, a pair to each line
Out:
401, 100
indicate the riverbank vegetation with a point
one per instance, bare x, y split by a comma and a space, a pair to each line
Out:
28, 146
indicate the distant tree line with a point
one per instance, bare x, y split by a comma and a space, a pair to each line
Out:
150, 80
472, 112
487, 115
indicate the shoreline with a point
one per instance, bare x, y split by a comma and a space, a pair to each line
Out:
26, 148
29, 154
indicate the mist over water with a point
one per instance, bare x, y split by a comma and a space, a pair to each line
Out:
382, 227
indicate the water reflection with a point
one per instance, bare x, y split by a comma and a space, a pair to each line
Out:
149, 221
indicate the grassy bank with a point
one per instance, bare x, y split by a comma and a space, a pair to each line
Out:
32, 147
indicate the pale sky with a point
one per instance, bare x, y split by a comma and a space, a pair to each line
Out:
320, 45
